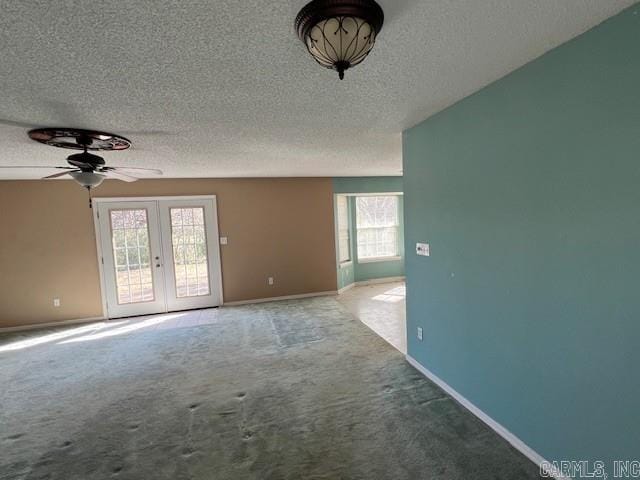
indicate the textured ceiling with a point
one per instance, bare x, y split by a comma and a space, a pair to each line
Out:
224, 88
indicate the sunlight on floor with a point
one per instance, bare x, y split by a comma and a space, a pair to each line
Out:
381, 307
52, 337
394, 295
126, 329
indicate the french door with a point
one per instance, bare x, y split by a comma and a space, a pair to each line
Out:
158, 255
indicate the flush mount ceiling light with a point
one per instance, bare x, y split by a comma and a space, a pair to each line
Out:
339, 34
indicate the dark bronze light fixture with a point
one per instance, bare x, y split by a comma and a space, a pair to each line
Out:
339, 34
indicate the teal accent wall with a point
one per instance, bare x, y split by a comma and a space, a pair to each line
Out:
346, 275
368, 185
529, 194
373, 270
346, 271
355, 271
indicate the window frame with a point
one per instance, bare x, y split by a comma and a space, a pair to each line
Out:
349, 259
385, 258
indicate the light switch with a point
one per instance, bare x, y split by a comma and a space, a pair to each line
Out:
224, 240
420, 333
422, 249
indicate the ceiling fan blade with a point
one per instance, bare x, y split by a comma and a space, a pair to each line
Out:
34, 166
155, 171
118, 176
56, 175
79, 164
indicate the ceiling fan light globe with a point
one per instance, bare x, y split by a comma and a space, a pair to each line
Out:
88, 179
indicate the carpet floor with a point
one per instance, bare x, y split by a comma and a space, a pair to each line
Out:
285, 390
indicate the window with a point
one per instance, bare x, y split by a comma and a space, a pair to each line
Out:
130, 240
189, 252
377, 226
344, 240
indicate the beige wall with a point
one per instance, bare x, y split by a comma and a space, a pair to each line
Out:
276, 227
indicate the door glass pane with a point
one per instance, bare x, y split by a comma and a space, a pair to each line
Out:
189, 244
130, 239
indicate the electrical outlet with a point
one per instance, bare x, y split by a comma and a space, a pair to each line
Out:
224, 240
270, 280
56, 302
420, 333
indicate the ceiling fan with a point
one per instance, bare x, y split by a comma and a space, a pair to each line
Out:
87, 169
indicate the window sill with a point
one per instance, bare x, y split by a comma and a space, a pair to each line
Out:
379, 259
346, 264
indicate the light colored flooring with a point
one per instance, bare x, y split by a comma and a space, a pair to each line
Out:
382, 308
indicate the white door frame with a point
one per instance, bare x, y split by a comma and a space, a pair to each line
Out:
158, 303
96, 224
173, 302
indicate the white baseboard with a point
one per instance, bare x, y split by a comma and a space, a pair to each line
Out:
62, 323
277, 299
373, 281
495, 426
344, 289
376, 281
